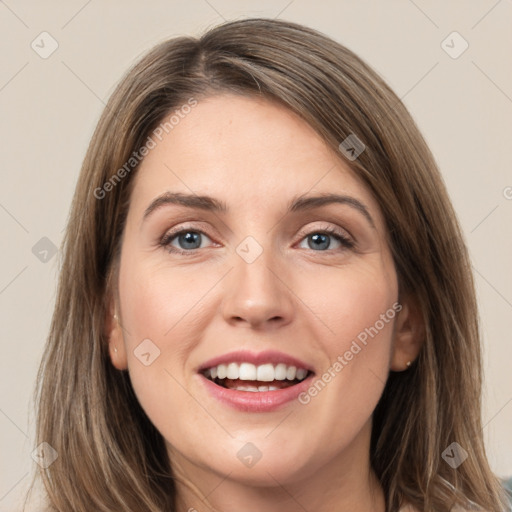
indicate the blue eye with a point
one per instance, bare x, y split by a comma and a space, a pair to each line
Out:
189, 240
321, 240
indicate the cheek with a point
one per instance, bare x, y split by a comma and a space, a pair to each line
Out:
356, 304
162, 306
359, 308
159, 303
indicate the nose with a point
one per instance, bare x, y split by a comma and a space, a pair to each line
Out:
257, 294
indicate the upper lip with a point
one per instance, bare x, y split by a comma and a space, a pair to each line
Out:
256, 358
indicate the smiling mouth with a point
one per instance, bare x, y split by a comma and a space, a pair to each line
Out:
252, 378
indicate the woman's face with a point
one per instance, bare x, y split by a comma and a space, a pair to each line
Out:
260, 287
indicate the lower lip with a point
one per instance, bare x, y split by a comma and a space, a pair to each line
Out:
261, 401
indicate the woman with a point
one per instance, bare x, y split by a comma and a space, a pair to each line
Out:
265, 300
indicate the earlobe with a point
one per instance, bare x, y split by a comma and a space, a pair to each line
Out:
115, 339
408, 335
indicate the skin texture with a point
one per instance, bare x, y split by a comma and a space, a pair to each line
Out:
308, 302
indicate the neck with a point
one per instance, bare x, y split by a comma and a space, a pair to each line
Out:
345, 483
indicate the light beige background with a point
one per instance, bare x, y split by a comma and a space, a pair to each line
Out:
49, 108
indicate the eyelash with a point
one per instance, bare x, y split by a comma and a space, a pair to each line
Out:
169, 237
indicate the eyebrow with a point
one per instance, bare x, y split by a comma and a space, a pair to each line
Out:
211, 204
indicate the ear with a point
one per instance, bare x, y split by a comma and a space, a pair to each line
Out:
113, 331
408, 334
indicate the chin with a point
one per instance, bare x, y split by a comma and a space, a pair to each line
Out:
274, 467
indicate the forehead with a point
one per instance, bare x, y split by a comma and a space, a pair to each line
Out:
247, 151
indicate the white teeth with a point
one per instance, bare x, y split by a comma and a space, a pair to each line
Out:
290, 373
301, 374
232, 372
222, 371
247, 371
280, 372
255, 389
264, 373
247, 388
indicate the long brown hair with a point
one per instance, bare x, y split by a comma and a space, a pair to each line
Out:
110, 456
